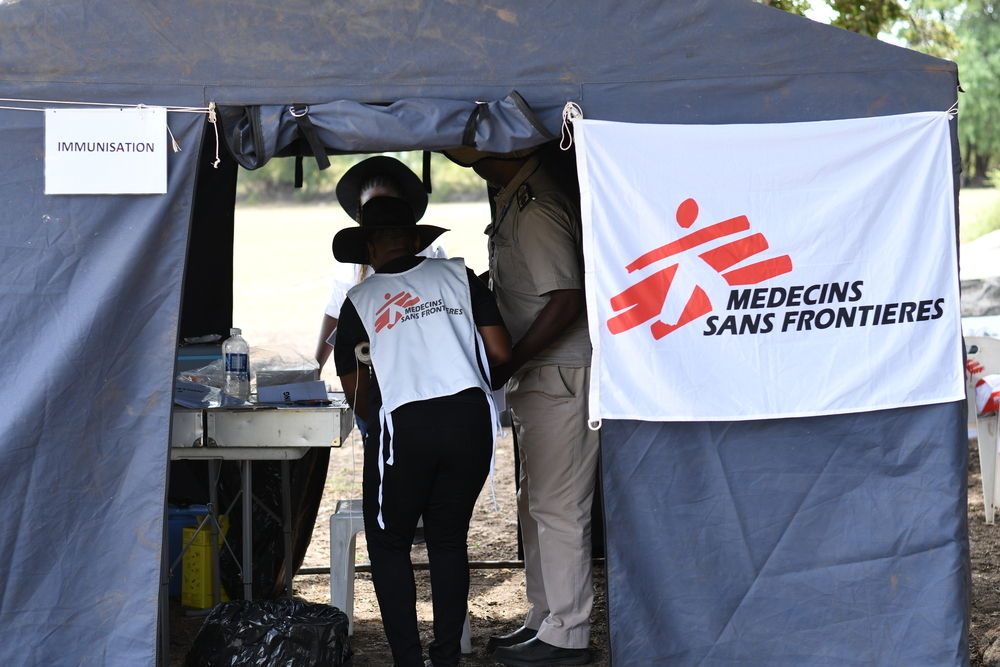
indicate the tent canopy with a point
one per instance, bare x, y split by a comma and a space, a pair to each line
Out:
90, 286
641, 61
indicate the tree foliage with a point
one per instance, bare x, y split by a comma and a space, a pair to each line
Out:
978, 59
968, 32
868, 17
929, 26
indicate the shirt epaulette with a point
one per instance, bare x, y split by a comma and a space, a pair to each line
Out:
524, 195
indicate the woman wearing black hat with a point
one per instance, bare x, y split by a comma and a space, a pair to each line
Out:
433, 331
379, 176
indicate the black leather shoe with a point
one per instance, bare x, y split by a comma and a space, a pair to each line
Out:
522, 634
535, 653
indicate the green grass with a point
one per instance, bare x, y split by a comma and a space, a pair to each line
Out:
979, 212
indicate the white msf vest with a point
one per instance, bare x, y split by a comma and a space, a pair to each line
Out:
423, 339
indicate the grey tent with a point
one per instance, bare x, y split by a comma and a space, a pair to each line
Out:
834, 540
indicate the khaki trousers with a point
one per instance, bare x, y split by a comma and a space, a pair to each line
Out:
558, 454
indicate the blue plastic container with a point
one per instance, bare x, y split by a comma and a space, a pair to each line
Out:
177, 519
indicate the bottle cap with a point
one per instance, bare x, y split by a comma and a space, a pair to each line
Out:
234, 331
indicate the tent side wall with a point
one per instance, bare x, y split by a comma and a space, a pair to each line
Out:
820, 541
90, 295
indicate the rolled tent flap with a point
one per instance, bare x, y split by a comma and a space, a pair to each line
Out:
255, 134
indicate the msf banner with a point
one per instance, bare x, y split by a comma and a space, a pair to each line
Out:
774, 270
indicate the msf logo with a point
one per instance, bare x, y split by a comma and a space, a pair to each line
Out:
644, 301
393, 309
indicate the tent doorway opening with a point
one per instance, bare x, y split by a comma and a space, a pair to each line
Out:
259, 255
260, 259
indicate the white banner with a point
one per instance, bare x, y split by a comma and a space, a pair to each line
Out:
775, 270
106, 151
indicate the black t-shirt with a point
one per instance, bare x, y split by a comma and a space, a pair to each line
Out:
350, 331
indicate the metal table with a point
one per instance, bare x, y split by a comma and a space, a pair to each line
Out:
255, 433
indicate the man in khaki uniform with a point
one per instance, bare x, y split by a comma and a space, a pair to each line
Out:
537, 276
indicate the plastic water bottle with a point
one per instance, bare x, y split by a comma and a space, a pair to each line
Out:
236, 357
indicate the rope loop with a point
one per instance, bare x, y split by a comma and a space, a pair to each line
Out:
952, 110
571, 112
213, 119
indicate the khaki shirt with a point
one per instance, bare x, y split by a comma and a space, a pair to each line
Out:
534, 249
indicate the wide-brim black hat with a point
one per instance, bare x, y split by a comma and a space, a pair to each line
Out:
410, 185
350, 245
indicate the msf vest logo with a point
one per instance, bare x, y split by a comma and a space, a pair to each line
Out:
393, 310
643, 302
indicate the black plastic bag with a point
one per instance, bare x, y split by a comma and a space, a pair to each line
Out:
272, 633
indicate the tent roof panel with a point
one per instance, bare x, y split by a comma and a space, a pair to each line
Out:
374, 47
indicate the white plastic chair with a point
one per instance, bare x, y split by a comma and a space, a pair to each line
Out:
984, 352
345, 524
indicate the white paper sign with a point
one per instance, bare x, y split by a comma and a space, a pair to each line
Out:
773, 270
106, 151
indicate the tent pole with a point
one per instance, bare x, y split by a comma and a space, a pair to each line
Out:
213, 510
163, 627
247, 530
286, 519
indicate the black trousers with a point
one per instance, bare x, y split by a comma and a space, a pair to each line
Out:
442, 449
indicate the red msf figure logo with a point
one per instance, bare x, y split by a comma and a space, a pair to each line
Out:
392, 311
644, 300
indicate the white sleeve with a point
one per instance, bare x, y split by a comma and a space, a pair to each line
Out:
344, 278
338, 293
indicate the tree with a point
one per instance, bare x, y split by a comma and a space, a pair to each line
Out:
978, 32
929, 26
968, 32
